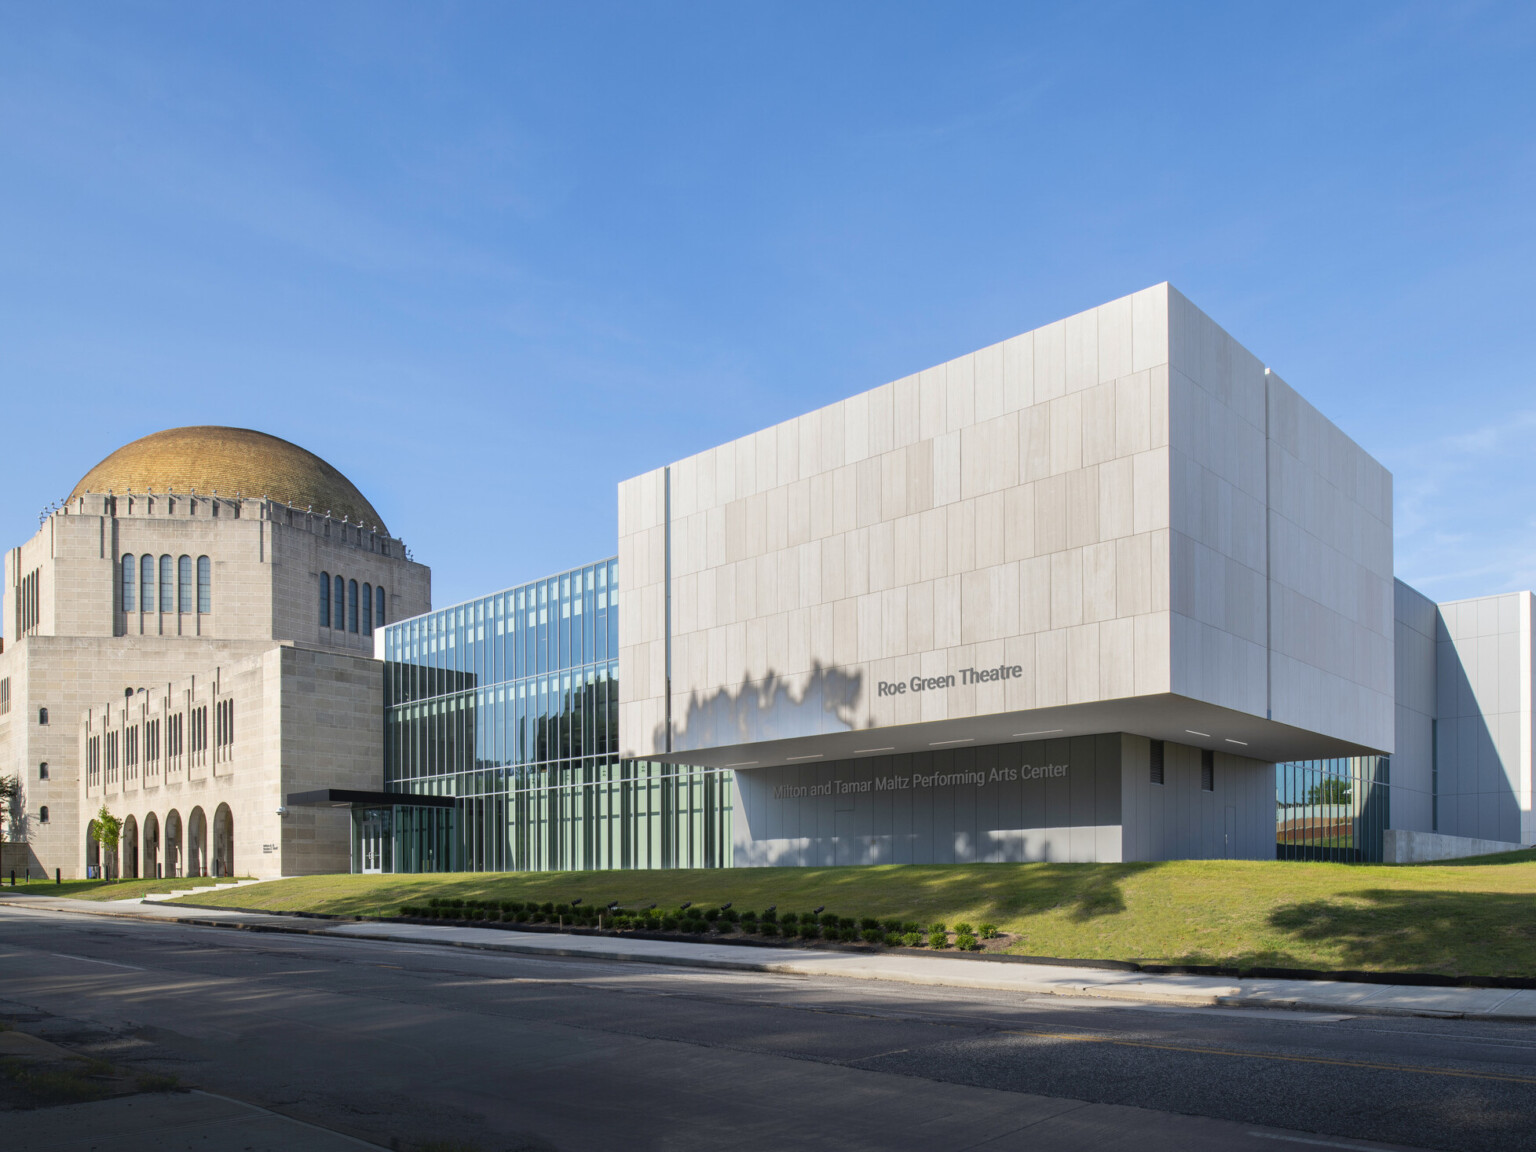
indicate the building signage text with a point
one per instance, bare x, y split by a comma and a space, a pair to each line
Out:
965, 676
976, 779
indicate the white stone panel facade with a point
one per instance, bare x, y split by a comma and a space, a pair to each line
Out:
1085, 514
1484, 711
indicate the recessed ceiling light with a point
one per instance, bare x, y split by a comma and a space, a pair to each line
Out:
743, 763
861, 751
940, 743
1244, 743
1041, 732
807, 756
1192, 732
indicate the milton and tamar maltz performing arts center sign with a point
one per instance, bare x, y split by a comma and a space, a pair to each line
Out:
920, 780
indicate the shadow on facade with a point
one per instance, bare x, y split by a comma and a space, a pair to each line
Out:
773, 708
1474, 795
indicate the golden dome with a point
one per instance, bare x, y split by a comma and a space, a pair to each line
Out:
231, 462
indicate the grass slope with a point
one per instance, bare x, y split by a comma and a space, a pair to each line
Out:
109, 889
1465, 918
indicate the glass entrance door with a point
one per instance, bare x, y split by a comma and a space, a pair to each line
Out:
374, 841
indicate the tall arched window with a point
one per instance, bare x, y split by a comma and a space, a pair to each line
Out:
184, 584
204, 585
367, 609
325, 599
339, 600
42, 814
147, 584
167, 585
378, 607
130, 598
351, 605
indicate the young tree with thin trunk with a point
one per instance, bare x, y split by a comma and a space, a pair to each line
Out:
107, 831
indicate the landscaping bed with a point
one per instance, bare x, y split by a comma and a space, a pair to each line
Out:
720, 924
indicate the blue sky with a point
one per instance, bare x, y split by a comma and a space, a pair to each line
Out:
490, 259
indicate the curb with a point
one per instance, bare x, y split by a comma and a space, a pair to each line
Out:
1187, 998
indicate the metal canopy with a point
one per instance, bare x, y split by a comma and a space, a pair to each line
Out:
355, 798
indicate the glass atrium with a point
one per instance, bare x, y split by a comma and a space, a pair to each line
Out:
510, 704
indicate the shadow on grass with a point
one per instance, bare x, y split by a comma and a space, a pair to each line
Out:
1454, 933
1524, 856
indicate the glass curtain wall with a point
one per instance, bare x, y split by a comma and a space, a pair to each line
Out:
1332, 809
510, 703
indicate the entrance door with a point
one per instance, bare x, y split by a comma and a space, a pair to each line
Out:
1231, 834
372, 830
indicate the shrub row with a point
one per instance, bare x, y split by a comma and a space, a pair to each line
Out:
823, 925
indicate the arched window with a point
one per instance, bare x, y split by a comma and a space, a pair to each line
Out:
325, 599
367, 609
204, 585
167, 585
339, 600
378, 607
42, 715
42, 770
130, 600
351, 605
184, 584
147, 584
42, 814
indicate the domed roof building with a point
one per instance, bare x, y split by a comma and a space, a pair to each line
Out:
189, 639
209, 460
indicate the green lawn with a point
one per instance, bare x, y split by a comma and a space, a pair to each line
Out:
1465, 918
108, 889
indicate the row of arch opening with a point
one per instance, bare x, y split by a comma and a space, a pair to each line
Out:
177, 584
166, 846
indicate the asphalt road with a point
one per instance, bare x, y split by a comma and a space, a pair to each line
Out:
409, 1044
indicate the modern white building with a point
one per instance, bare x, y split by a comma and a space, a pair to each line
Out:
1072, 596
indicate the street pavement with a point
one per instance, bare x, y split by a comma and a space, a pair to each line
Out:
402, 1042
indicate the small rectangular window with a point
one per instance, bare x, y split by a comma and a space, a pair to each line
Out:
42, 770
1207, 770
1157, 761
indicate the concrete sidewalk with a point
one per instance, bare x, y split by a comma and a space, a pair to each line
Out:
1494, 1004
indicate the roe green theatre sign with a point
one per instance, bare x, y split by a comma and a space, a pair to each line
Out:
965, 676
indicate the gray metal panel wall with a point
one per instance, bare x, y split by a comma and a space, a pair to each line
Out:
1177, 820
1001, 812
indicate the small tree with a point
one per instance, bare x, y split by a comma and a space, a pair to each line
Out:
1330, 790
107, 831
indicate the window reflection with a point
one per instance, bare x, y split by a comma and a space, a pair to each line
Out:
510, 703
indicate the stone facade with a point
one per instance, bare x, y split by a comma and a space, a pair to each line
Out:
199, 769
74, 643
1118, 522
